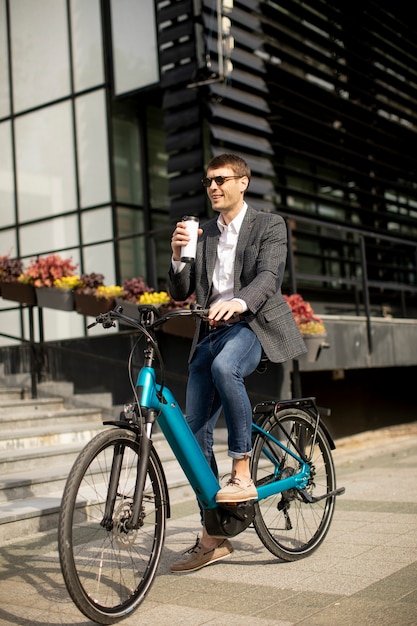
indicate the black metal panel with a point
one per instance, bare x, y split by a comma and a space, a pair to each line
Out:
179, 31
189, 205
181, 118
185, 161
234, 110
239, 98
178, 98
185, 184
180, 75
249, 121
173, 10
238, 140
179, 51
185, 140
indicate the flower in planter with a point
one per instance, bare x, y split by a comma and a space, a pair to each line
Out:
156, 298
183, 304
93, 285
89, 283
134, 288
10, 269
109, 291
138, 292
67, 282
44, 271
307, 322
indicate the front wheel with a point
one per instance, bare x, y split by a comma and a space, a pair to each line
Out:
107, 567
288, 526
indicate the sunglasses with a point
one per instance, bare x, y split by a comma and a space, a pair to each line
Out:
219, 180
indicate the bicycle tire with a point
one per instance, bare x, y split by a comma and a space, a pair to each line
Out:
109, 572
289, 527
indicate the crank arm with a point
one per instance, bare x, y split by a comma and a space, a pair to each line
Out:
312, 499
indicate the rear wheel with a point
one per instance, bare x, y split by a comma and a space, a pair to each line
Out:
287, 525
107, 567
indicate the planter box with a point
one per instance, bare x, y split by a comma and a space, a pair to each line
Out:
19, 292
87, 304
314, 344
179, 326
129, 308
51, 298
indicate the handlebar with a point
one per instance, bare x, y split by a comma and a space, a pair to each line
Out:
149, 316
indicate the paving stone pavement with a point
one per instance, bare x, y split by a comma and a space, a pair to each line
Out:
364, 574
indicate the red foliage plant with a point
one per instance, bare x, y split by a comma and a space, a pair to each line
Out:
307, 322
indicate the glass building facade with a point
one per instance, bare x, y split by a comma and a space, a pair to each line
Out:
81, 162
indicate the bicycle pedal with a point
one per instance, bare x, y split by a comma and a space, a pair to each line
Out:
240, 510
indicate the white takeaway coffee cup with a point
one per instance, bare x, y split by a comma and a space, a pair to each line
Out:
189, 251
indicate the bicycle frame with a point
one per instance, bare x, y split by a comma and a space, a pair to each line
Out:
188, 453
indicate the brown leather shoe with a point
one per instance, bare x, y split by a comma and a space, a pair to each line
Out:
198, 556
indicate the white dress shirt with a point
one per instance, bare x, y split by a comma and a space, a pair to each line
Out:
223, 277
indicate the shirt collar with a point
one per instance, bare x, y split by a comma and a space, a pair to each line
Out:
236, 223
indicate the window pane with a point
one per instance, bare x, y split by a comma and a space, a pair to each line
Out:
7, 216
59, 232
45, 166
87, 43
40, 59
100, 259
8, 242
92, 149
127, 168
131, 251
163, 228
4, 64
135, 55
59, 325
11, 321
97, 225
158, 158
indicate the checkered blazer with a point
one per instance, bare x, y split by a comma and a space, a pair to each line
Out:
258, 273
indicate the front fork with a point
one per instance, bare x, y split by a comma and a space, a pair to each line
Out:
145, 444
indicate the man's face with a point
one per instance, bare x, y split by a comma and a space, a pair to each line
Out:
226, 197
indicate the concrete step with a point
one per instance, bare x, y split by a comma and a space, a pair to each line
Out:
47, 419
40, 438
13, 393
35, 482
30, 405
31, 438
27, 459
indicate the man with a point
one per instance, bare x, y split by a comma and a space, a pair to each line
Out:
237, 275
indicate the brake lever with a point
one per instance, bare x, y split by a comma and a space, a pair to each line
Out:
104, 320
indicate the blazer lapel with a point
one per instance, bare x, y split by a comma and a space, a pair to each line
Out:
211, 253
242, 242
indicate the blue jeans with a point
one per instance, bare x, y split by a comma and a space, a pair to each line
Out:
217, 371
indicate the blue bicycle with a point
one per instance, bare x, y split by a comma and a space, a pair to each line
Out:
116, 503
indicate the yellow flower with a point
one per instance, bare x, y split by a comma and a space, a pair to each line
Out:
155, 298
67, 282
109, 291
312, 328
